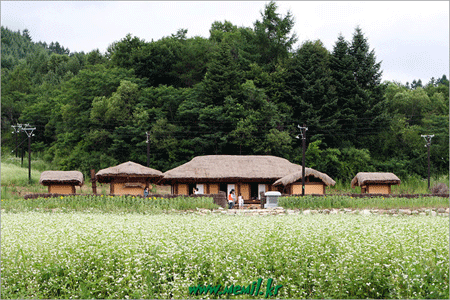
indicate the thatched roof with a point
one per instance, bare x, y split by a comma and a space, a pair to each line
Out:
363, 178
293, 177
61, 177
128, 169
232, 167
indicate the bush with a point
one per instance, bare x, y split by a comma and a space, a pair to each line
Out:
440, 188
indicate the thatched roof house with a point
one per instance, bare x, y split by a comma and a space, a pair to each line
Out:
315, 182
128, 178
375, 183
247, 174
61, 182
291, 178
232, 167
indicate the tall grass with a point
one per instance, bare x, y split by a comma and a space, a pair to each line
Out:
342, 201
409, 185
11, 174
417, 185
37, 162
108, 204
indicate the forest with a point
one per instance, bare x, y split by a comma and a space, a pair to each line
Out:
242, 90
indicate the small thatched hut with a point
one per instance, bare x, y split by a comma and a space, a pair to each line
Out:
375, 183
315, 182
61, 182
128, 178
248, 175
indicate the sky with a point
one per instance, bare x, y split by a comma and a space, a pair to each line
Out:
410, 38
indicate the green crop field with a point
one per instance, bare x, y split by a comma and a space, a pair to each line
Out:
343, 201
121, 255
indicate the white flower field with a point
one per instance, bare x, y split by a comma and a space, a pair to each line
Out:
100, 255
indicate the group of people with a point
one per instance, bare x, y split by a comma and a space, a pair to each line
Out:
232, 200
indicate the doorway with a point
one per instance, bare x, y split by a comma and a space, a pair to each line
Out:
254, 191
191, 188
223, 188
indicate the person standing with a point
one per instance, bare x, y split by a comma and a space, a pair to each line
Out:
241, 201
146, 192
231, 199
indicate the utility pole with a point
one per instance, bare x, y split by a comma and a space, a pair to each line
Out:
428, 141
22, 150
303, 136
29, 132
148, 149
21, 160
17, 129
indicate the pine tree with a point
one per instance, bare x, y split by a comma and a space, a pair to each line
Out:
357, 81
223, 76
343, 91
309, 83
273, 36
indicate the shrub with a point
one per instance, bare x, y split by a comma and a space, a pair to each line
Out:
440, 188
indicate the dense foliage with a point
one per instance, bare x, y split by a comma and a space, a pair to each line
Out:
241, 91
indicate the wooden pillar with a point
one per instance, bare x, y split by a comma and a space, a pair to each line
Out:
111, 187
94, 182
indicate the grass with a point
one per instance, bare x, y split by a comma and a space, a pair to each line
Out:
410, 185
342, 201
110, 204
12, 174
119, 256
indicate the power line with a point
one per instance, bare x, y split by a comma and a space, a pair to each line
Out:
17, 128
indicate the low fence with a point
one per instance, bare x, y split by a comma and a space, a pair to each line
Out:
219, 199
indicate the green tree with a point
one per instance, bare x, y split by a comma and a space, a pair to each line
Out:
122, 53
223, 76
310, 86
72, 119
165, 143
116, 110
412, 104
356, 80
273, 36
